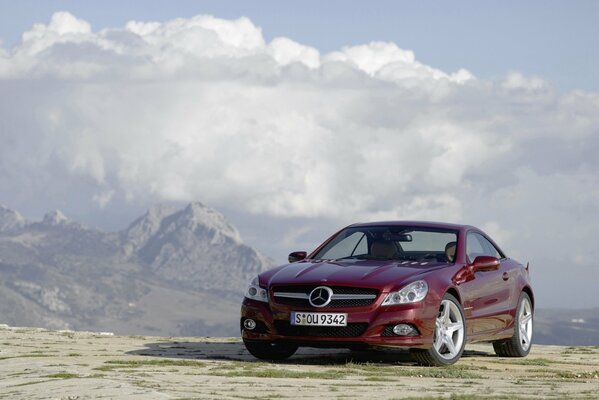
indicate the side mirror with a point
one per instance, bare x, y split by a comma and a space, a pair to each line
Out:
297, 256
485, 263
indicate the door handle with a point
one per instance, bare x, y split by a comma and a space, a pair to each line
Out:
505, 276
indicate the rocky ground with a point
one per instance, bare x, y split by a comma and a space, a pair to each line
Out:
43, 364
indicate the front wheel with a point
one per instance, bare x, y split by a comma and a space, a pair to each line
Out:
270, 350
449, 337
519, 344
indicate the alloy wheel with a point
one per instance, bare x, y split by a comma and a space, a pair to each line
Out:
521, 341
449, 330
525, 323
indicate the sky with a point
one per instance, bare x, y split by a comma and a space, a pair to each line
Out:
297, 119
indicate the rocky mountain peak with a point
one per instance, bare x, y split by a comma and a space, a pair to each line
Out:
198, 214
10, 219
57, 218
195, 246
195, 222
149, 223
143, 228
158, 212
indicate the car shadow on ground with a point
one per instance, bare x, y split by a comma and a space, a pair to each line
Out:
235, 351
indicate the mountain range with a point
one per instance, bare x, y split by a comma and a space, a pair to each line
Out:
170, 272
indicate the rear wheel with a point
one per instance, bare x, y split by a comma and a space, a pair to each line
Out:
270, 350
519, 344
449, 337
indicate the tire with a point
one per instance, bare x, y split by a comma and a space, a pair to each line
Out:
274, 351
520, 343
449, 337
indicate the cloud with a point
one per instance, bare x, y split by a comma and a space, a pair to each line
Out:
386, 61
205, 108
285, 51
102, 199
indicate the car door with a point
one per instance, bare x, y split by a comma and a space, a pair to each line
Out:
487, 295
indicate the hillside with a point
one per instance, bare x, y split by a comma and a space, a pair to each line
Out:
170, 272
567, 327
41, 364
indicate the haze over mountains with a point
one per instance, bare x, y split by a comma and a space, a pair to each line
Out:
172, 271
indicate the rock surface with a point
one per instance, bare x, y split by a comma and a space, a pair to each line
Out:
43, 364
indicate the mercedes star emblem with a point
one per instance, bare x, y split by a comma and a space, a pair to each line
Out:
321, 296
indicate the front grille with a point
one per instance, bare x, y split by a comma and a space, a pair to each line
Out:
306, 289
337, 289
351, 330
350, 303
293, 302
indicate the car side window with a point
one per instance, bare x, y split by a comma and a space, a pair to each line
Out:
490, 250
478, 245
473, 247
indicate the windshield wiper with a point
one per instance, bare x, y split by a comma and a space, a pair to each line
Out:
349, 258
369, 257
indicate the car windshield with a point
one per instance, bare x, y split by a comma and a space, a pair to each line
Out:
403, 243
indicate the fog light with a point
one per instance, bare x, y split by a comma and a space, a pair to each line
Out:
249, 324
403, 330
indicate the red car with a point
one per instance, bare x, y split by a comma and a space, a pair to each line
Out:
427, 287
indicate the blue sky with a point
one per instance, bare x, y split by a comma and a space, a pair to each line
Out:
558, 40
307, 116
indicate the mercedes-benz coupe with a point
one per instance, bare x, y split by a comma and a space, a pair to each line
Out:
426, 287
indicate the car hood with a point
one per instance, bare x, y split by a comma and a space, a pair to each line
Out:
383, 275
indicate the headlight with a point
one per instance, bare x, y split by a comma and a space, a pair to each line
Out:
412, 293
255, 292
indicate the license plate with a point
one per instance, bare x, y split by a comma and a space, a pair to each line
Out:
318, 319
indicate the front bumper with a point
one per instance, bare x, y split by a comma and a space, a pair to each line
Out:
367, 326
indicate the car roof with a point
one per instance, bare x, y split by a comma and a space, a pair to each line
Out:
422, 224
